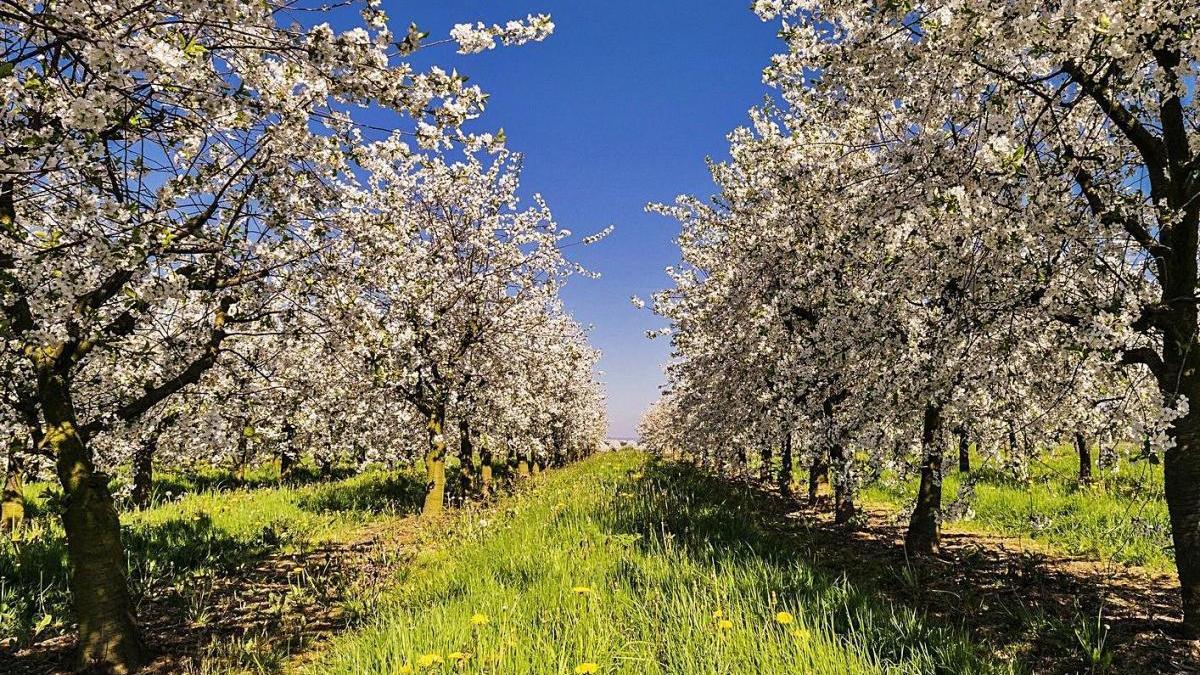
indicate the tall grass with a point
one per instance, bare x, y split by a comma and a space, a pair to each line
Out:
1121, 517
620, 566
214, 531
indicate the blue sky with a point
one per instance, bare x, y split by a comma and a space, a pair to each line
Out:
618, 108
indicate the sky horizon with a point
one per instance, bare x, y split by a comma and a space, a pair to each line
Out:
617, 109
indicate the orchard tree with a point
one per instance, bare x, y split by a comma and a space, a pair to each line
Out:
1094, 105
170, 170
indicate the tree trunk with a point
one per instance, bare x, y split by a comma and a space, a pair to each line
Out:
924, 528
844, 510
242, 456
143, 473
785, 462
108, 636
1085, 459
435, 468
818, 476
287, 452
12, 504
765, 456
466, 457
964, 451
485, 470
1181, 474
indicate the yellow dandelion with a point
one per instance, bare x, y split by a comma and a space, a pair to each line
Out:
718, 614
458, 656
800, 633
581, 590
587, 668
427, 660
478, 619
405, 670
784, 618
725, 624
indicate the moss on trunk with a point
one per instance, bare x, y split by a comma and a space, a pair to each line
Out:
435, 470
108, 635
12, 503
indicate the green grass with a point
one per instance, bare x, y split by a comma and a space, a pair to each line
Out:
623, 563
212, 531
1121, 518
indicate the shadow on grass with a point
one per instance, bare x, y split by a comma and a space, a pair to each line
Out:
726, 526
373, 493
1048, 614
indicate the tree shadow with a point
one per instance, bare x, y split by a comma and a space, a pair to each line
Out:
373, 493
1050, 613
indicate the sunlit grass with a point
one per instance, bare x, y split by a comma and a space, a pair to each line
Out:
213, 531
620, 566
1121, 517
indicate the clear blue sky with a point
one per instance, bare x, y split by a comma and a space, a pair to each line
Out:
618, 108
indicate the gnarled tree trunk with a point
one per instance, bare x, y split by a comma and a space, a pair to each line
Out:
108, 635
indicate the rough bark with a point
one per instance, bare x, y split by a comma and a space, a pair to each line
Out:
1085, 459
924, 527
1181, 468
108, 635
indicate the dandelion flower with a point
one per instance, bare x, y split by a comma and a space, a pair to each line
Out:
427, 660
718, 614
784, 618
800, 633
725, 624
587, 668
405, 670
458, 656
478, 619
581, 590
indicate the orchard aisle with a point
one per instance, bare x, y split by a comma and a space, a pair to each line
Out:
628, 564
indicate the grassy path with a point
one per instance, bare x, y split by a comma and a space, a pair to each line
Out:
617, 565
